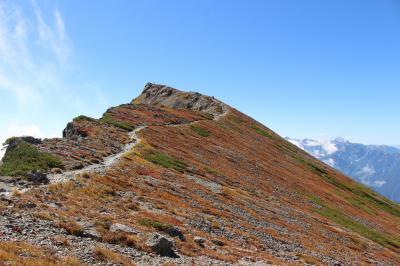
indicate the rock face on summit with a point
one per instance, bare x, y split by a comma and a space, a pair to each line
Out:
161, 95
179, 178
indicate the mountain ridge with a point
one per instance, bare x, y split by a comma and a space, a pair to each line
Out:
194, 181
372, 165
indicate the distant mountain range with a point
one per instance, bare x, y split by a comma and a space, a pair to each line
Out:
376, 166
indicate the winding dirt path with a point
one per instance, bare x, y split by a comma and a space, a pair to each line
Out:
100, 167
112, 159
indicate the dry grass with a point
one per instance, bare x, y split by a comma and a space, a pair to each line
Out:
44, 215
61, 241
71, 227
23, 254
308, 259
107, 255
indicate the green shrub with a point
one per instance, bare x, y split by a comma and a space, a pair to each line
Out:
262, 132
363, 193
356, 202
84, 118
25, 158
108, 119
164, 160
153, 223
200, 131
338, 217
212, 171
9, 140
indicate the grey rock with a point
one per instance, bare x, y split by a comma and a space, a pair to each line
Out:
4, 187
38, 177
200, 241
218, 242
72, 132
8, 179
175, 232
161, 245
92, 233
122, 228
214, 187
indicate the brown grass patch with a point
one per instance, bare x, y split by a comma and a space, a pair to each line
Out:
108, 255
23, 254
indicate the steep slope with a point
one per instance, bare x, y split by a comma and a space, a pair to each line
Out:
195, 181
376, 166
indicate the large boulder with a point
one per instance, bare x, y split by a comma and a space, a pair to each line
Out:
37, 177
161, 245
175, 232
74, 132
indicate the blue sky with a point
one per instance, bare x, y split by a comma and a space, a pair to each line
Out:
304, 68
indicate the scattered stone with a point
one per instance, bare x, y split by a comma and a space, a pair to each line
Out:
8, 179
200, 241
92, 233
153, 181
56, 171
214, 187
218, 242
29, 205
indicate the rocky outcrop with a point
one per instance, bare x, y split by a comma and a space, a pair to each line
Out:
85, 142
161, 245
161, 95
73, 132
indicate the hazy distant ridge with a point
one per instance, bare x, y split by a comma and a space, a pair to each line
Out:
377, 166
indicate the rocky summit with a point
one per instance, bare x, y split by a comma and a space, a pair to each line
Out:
179, 178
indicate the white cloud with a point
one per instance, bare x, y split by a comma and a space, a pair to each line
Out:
296, 142
319, 148
53, 36
34, 60
367, 170
379, 183
328, 146
330, 162
33, 54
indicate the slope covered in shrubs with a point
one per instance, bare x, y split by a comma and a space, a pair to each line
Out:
25, 158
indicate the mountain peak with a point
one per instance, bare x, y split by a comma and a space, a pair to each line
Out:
163, 95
